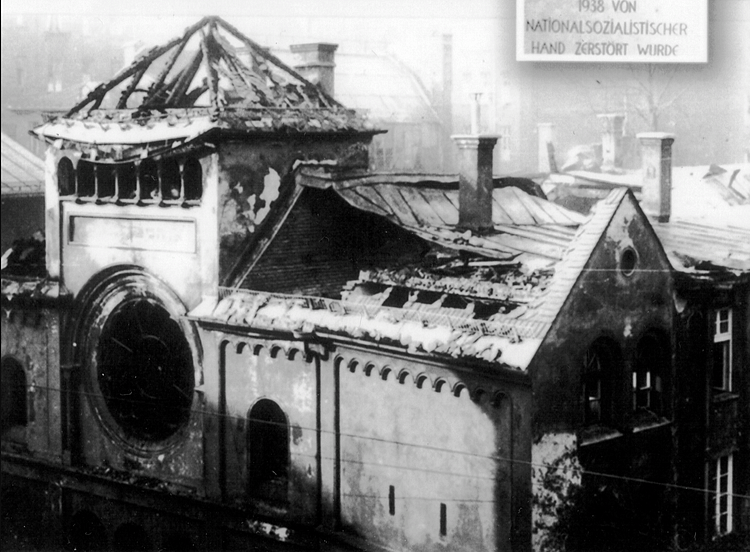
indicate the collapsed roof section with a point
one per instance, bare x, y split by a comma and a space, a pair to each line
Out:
488, 297
212, 77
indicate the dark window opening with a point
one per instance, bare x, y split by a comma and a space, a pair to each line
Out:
13, 394
443, 520
86, 181
126, 182
87, 533
148, 175
171, 183
647, 377
66, 177
268, 450
130, 537
105, 181
720, 366
598, 371
145, 371
192, 175
392, 500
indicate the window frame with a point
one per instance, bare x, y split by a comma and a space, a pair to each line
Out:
722, 487
654, 368
723, 338
259, 483
603, 353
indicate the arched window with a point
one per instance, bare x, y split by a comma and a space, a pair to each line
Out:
13, 391
192, 176
105, 181
267, 450
648, 372
126, 182
599, 369
148, 175
86, 183
171, 183
66, 177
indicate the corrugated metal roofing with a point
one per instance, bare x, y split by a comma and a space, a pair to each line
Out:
690, 244
22, 171
428, 206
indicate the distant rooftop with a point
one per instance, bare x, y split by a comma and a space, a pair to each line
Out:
22, 171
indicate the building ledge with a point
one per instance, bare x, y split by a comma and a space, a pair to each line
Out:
597, 434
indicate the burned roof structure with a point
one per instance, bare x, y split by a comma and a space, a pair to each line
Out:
212, 78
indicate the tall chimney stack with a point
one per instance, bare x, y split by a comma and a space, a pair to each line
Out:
475, 176
316, 63
656, 157
612, 126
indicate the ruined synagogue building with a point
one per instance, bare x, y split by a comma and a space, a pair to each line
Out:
233, 334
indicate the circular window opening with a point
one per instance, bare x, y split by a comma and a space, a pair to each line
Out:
145, 371
628, 260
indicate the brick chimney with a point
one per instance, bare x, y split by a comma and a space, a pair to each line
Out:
475, 176
656, 158
612, 125
316, 63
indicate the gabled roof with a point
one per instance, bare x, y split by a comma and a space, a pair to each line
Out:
527, 286
22, 171
212, 77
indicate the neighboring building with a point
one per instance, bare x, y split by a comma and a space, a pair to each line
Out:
246, 339
22, 193
389, 93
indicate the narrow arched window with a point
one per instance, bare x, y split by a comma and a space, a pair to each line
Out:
66, 177
126, 182
267, 450
192, 177
171, 183
86, 182
105, 181
148, 177
648, 374
13, 391
599, 369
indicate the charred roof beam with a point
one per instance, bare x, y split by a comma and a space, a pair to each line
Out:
97, 95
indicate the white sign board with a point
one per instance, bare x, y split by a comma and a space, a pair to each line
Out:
647, 31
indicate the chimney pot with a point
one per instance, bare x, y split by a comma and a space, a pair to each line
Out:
656, 157
475, 185
612, 126
316, 63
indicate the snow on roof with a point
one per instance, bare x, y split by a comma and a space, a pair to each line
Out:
693, 246
506, 314
22, 171
234, 84
509, 342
